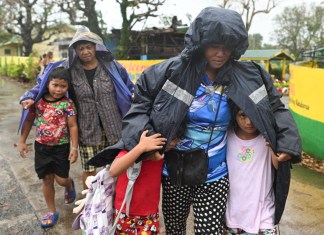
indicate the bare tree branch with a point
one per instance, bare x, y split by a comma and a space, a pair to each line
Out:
248, 8
83, 12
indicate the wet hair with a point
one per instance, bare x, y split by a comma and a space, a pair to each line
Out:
59, 73
234, 110
50, 54
81, 42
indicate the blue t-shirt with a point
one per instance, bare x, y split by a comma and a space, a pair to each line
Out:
200, 121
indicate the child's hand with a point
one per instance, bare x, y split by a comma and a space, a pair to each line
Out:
26, 104
153, 142
23, 150
274, 159
73, 156
282, 157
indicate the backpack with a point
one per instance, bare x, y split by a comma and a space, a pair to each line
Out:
97, 216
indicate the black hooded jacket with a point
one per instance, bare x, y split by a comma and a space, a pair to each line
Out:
164, 92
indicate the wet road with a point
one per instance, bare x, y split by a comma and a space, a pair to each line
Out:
21, 200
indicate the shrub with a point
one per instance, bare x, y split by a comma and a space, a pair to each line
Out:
277, 72
15, 70
4, 67
31, 69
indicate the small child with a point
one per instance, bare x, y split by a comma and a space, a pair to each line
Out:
251, 202
143, 213
56, 123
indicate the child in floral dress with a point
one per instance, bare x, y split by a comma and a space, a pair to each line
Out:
56, 124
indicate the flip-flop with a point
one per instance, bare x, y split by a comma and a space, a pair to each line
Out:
69, 197
52, 217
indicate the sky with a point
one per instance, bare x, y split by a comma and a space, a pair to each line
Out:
262, 23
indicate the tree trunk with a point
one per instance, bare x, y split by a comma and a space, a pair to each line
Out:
28, 47
92, 16
125, 40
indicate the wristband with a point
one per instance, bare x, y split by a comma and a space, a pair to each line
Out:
74, 148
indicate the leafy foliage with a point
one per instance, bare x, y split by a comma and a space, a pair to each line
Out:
3, 67
26, 71
299, 28
31, 69
15, 70
255, 41
29, 20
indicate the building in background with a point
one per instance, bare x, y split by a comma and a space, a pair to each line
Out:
58, 43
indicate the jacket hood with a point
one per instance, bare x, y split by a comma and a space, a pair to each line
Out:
217, 26
84, 34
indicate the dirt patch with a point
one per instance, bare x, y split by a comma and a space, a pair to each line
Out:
312, 163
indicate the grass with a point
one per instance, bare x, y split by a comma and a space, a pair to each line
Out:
307, 176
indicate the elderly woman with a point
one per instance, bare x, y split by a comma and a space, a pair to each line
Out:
101, 89
193, 89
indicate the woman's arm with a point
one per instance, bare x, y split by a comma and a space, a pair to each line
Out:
137, 118
124, 75
31, 94
288, 139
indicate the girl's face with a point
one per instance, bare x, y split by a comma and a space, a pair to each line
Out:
245, 124
57, 88
217, 55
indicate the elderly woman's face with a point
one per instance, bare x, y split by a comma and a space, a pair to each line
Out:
86, 52
217, 55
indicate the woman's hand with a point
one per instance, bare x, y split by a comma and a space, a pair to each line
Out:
26, 104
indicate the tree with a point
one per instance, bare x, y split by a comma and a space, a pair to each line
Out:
83, 12
315, 24
270, 46
255, 41
29, 19
248, 8
299, 29
4, 36
139, 10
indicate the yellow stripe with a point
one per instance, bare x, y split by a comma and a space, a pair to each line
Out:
307, 92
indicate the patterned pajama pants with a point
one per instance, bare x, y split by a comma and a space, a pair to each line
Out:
237, 231
209, 206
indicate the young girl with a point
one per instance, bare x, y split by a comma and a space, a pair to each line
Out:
143, 213
55, 124
250, 206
